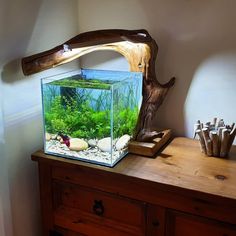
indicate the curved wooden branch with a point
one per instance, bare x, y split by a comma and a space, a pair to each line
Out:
137, 46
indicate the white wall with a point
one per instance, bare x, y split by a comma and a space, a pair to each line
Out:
5, 213
196, 45
28, 27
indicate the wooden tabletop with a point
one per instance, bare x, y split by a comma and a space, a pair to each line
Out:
179, 165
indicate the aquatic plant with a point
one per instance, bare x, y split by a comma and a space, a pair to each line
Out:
80, 120
79, 81
77, 110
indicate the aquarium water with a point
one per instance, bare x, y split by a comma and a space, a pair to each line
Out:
91, 115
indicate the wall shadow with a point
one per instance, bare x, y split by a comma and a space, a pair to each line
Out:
20, 18
108, 60
187, 33
12, 72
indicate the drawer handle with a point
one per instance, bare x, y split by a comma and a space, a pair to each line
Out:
156, 223
98, 207
54, 233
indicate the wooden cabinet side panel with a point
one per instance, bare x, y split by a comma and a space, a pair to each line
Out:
45, 182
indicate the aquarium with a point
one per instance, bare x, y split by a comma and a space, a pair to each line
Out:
91, 115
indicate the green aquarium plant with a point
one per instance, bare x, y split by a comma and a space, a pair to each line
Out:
78, 120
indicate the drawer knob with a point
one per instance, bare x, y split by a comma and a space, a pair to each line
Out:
155, 223
54, 233
98, 207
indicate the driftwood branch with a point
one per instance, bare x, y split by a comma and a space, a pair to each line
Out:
208, 141
201, 140
137, 46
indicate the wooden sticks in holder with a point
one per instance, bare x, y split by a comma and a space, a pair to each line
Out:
215, 137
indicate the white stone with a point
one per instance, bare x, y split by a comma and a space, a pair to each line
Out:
48, 136
54, 136
122, 142
92, 142
59, 138
105, 144
77, 144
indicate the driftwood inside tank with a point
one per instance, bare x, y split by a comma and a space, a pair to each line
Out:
137, 46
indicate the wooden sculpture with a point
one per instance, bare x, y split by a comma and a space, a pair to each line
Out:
137, 46
216, 138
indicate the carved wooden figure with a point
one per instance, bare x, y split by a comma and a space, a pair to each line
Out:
137, 46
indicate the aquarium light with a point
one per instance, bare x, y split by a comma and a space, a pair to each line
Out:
66, 48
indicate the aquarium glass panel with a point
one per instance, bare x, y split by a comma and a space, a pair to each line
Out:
90, 115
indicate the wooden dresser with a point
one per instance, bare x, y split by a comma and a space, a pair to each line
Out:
179, 193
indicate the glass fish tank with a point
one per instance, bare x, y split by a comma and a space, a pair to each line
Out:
90, 115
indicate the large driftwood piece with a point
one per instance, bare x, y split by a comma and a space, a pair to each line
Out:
137, 46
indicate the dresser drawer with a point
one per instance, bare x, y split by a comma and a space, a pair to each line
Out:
181, 224
96, 213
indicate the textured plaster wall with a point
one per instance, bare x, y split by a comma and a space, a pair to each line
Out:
26, 27
196, 45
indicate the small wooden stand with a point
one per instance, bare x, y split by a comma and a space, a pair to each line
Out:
149, 149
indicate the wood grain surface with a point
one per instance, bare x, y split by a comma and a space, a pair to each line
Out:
181, 164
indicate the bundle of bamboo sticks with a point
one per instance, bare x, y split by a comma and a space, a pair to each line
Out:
216, 138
